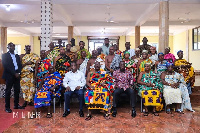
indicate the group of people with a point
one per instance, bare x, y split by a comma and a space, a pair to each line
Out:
98, 79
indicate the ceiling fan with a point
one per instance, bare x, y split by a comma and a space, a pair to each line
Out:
26, 21
184, 20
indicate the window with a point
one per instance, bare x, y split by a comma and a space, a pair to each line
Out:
196, 38
17, 49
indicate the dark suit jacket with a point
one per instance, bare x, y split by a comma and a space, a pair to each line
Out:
9, 68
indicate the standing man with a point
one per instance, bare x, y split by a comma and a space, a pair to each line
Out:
144, 46
82, 48
27, 75
12, 69
128, 48
105, 47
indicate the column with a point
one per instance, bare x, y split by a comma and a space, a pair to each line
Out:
46, 24
31, 43
70, 33
3, 40
163, 25
137, 36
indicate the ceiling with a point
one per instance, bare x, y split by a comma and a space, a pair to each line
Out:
89, 17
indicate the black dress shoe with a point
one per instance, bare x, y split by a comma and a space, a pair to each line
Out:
8, 110
66, 113
19, 107
81, 113
114, 113
24, 105
133, 113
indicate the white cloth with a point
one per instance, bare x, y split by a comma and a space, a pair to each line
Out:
132, 52
83, 66
14, 60
105, 50
74, 79
172, 95
154, 58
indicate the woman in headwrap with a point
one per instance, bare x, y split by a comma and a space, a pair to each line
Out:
184, 67
161, 64
169, 56
150, 88
175, 90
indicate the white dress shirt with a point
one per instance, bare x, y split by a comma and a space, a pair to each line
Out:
14, 60
74, 79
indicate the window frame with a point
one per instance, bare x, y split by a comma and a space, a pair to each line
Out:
198, 29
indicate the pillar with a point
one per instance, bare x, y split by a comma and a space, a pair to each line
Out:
163, 25
70, 33
46, 24
137, 36
3, 40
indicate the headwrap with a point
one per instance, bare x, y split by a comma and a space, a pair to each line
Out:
137, 49
179, 51
161, 53
168, 48
144, 51
169, 64
148, 63
126, 52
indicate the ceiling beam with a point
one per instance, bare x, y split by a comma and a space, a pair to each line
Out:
23, 31
151, 10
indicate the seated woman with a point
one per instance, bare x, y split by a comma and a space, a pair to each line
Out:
49, 87
184, 67
99, 91
130, 64
161, 64
150, 87
175, 90
169, 56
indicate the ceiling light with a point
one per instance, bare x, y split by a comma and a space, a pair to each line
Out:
182, 22
7, 7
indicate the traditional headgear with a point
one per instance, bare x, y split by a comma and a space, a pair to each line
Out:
168, 48
126, 52
169, 64
144, 51
161, 53
137, 49
179, 51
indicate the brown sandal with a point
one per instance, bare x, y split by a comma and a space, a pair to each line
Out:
49, 115
107, 116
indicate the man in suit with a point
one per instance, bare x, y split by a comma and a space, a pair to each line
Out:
12, 69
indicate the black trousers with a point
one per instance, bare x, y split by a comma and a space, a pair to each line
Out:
9, 84
130, 92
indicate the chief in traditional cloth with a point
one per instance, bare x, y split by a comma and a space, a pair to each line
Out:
82, 45
49, 88
27, 75
112, 61
41, 67
143, 61
52, 53
62, 62
137, 56
169, 56
72, 55
99, 91
175, 90
161, 64
82, 63
150, 89
184, 67
130, 64
117, 51
153, 55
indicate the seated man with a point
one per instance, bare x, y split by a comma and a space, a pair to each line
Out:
175, 90
72, 55
49, 87
99, 91
112, 60
123, 83
149, 89
74, 81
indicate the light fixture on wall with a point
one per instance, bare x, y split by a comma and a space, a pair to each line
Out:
7, 7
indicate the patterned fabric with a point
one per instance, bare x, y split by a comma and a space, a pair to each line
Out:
177, 95
62, 64
71, 55
83, 66
131, 66
152, 78
151, 97
27, 76
115, 62
43, 96
188, 73
88, 55
169, 57
52, 55
100, 59
154, 58
101, 96
161, 67
43, 67
123, 79
142, 64
120, 53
